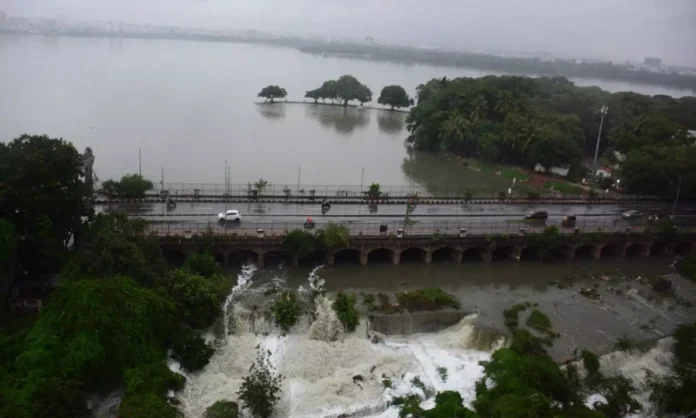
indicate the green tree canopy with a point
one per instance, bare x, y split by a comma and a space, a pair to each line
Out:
394, 96
41, 194
272, 92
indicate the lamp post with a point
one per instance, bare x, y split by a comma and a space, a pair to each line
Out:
676, 198
603, 111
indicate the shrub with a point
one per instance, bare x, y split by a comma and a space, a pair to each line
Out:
286, 310
442, 371
533, 195
687, 267
373, 191
191, 350
427, 300
222, 409
624, 343
259, 391
539, 321
203, 265
344, 305
335, 236
511, 315
301, 243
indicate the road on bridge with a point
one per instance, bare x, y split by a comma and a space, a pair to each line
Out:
385, 212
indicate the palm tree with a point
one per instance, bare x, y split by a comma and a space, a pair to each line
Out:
479, 108
455, 129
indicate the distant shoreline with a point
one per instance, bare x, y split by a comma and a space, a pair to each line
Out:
386, 109
406, 55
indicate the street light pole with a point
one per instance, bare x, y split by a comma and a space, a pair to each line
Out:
676, 198
603, 111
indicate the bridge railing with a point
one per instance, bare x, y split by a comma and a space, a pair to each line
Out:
347, 191
447, 227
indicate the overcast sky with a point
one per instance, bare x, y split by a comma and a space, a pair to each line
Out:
608, 29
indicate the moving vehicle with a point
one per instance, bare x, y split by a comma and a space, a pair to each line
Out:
632, 214
538, 214
569, 221
230, 215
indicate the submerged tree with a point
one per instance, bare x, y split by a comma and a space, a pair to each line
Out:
272, 92
394, 96
260, 388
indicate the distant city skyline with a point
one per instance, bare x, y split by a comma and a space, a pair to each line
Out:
616, 30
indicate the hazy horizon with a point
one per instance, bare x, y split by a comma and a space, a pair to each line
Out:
617, 30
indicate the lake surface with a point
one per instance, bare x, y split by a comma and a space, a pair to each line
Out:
189, 107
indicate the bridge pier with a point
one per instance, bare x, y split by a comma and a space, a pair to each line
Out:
458, 255
363, 257
596, 252
428, 257
515, 253
570, 252
330, 259
260, 259
226, 259
396, 257
487, 254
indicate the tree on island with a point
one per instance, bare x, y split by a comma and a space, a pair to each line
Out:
364, 95
273, 92
394, 96
349, 88
314, 94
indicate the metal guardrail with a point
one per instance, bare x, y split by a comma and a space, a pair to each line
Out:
343, 191
470, 228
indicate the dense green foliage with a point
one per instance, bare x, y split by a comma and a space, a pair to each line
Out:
687, 267
525, 121
538, 320
101, 328
191, 350
345, 89
115, 245
335, 236
203, 265
41, 196
286, 310
272, 92
426, 300
675, 393
130, 186
302, 244
259, 391
222, 409
394, 96
344, 305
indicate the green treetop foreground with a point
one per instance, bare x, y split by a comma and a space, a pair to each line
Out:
525, 121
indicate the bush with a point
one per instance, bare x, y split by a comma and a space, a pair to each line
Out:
335, 236
259, 391
344, 305
203, 265
146, 387
286, 310
687, 267
197, 298
511, 315
539, 321
222, 409
624, 343
533, 195
191, 350
427, 300
373, 192
301, 243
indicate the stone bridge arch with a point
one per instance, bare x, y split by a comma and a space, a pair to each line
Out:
379, 255
530, 252
683, 248
476, 253
414, 254
174, 257
346, 256
445, 254
637, 249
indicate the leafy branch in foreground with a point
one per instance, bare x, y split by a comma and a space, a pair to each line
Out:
259, 391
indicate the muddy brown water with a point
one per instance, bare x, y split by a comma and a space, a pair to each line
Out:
626, 304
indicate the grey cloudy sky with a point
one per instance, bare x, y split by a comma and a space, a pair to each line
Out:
609, 29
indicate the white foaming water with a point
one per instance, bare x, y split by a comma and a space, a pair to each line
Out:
328, 372
243, 282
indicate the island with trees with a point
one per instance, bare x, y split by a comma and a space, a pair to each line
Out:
345, 89
272, 92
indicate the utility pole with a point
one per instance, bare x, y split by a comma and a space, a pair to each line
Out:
676, 198
603, 111
140, 164
299, 170
224, 195
362, 178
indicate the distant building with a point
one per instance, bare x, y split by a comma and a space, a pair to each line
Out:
652, 63
559, 171
604, 172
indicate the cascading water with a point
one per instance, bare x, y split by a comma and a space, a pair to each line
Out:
243, 282
327, 372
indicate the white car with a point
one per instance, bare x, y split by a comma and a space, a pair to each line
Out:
230, 215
